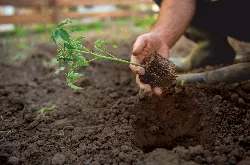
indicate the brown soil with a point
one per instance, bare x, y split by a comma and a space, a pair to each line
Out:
109, 123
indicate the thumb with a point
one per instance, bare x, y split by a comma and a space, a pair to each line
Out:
139, 44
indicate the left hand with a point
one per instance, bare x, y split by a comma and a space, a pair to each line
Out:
144, 46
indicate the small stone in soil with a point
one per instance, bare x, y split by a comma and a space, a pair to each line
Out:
220, 160
121, 155
198, 150
241, 101
58, 159
114, 95
234, 97
217, 98
232, 160
209, 159
199, 159
13, 160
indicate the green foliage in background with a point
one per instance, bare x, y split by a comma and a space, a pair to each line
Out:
23, 31
146, 22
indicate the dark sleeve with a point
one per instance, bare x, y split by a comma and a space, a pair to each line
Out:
158, 2
198, 2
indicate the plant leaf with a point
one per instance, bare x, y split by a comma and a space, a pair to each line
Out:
64, 23
81, 61
71, 85
72, 76
68, 46
70, 63
79, 38
59, 70
74, 29
55, 34
101, 44
64, 35
115, 46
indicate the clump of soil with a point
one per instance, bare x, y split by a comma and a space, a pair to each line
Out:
159, 72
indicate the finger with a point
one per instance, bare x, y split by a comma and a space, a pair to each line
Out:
139, 44
137, 69
142, 56
145, 87
150, 48
157, 91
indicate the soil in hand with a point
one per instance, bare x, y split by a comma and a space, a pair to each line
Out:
159, 72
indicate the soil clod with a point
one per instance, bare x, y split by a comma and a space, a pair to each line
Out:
159, 72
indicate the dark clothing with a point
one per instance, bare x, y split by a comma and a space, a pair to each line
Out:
222, 18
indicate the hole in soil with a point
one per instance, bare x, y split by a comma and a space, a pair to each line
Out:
3, 159
162, 124
161, 143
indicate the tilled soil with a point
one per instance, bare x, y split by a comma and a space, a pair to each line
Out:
108, 122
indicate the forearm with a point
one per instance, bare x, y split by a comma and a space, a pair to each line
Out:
174, 18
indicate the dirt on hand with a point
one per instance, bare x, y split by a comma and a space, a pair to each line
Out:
109, 123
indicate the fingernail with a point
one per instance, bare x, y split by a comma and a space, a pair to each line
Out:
157, 91
130, 66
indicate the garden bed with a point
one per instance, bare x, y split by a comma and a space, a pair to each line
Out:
108, 122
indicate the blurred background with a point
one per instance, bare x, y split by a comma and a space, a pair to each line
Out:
26, 24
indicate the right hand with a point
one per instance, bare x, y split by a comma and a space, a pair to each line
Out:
145, 45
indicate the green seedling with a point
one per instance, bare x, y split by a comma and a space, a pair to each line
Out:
46, 110
182, 82
74, 53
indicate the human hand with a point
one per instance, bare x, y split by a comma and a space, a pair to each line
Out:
145, 45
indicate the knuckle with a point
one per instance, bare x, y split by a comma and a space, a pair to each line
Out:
141, 70
131, 67
140, 37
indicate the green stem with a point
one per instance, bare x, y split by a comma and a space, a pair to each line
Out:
92, 59
105, 52
112, 59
